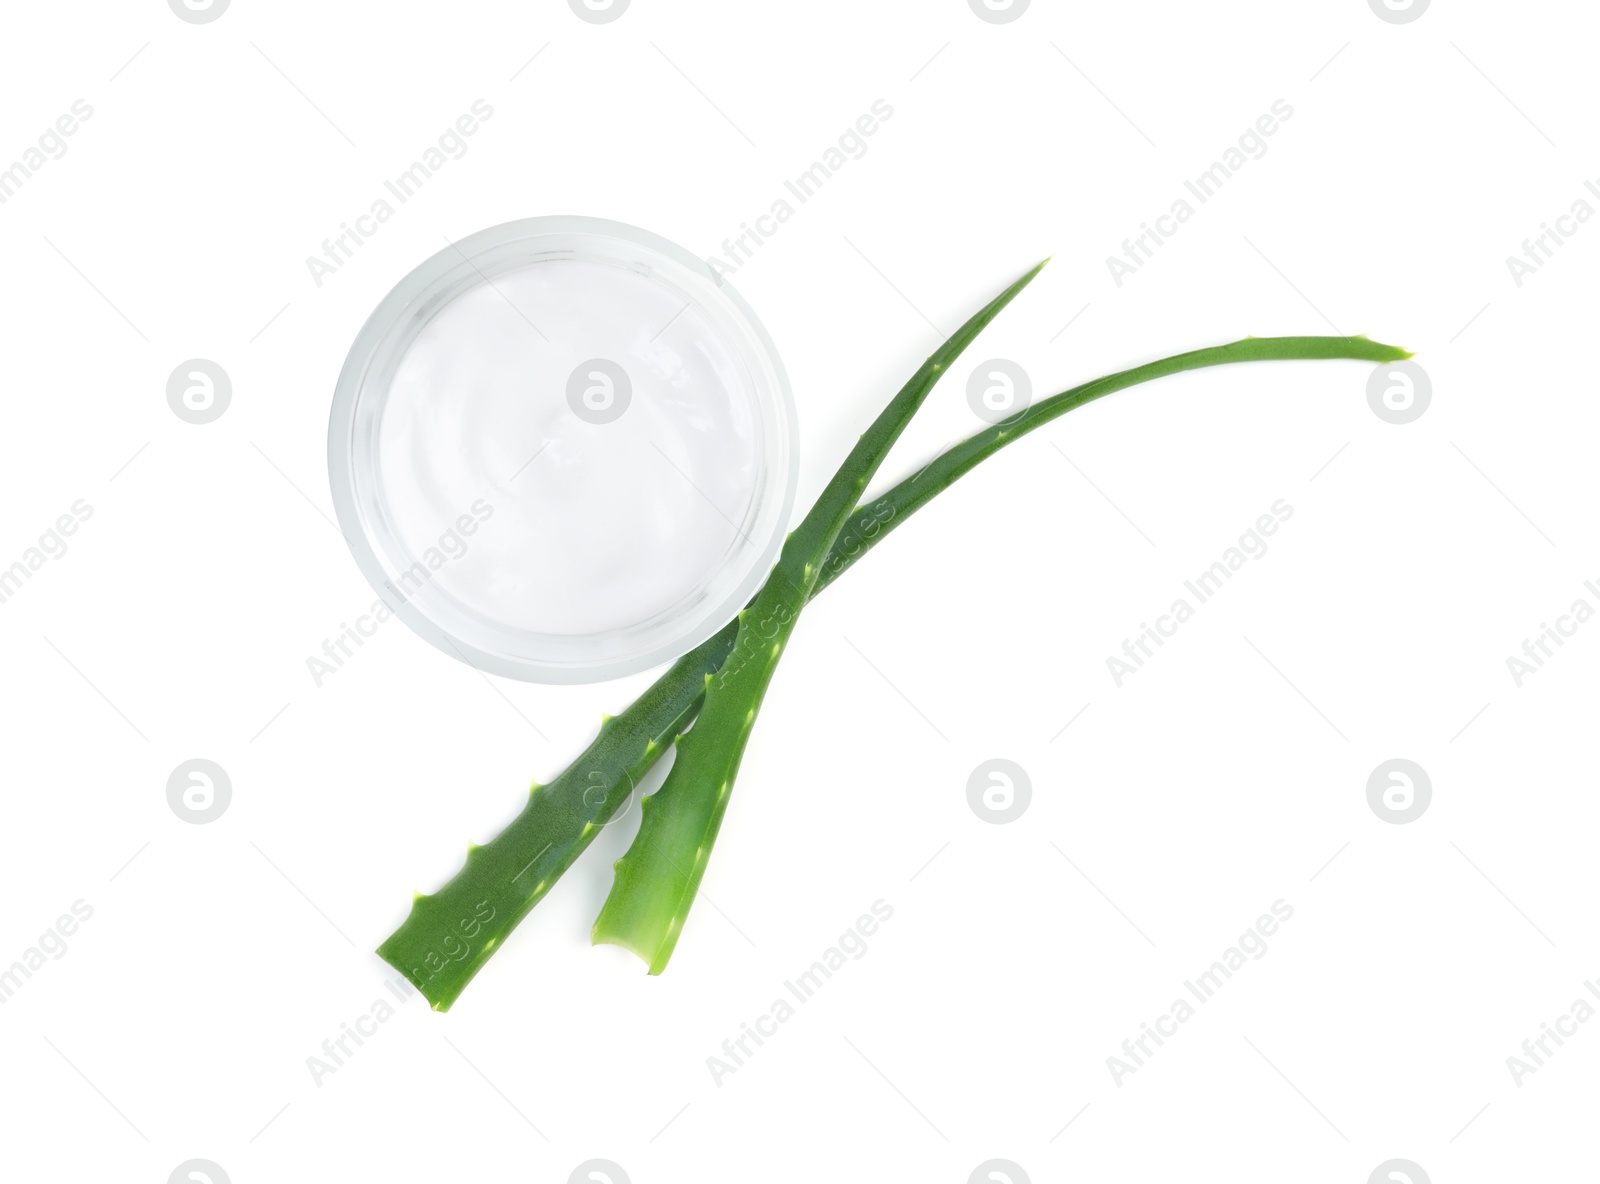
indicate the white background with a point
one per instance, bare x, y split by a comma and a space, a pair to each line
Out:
1172, 812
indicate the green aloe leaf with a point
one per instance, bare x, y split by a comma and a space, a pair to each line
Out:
657, 879
868, 526
450, 935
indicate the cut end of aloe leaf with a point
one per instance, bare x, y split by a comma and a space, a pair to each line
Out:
648, 932
436, 1000
641, 945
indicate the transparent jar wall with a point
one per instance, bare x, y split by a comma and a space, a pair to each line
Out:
563, 450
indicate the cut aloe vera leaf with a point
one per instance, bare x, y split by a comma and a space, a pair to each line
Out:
657, 879
451, 934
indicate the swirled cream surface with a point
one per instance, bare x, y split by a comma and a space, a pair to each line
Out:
566, 448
